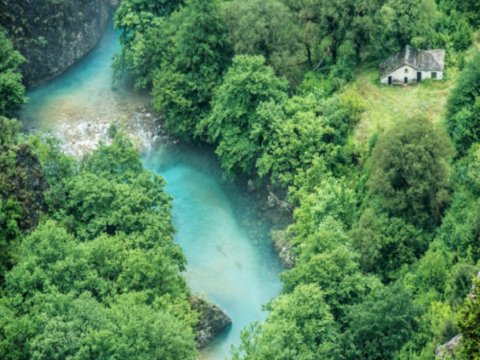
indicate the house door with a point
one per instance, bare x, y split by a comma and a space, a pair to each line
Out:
405, 80
419, 76
390, 80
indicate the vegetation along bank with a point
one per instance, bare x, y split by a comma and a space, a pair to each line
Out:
381, 181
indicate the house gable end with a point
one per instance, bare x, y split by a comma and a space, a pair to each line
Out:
392, 72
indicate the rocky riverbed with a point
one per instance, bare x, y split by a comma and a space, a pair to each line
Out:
142, 127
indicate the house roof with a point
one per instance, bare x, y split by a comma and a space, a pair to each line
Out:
423, 60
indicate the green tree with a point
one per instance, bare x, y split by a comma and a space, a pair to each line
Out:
245, 110
460, 228
103, 280
331, 198
118, 161
324, 259
469, 320
12, 91
134, 16
460, 285
469, 8
266, 28
334, 32
60, 326
454, 33
50, 257
313, 128
8, 131
432, 270
404, 22
144, 54
10, 233
21, 177
463, 117
138, 332
409, 175
337, 273
144, 37
299, 327
384, 244
192, 67
380, 325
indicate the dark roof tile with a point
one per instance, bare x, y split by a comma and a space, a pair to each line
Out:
425, 60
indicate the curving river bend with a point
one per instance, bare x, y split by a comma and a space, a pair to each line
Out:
226, 240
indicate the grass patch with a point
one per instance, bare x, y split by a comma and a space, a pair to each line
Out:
386, 105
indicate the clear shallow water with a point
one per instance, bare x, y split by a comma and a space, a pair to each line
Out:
84, 94
230, 258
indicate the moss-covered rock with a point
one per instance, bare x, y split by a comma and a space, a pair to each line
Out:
212, 321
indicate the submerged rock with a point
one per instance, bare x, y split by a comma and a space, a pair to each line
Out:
213, 321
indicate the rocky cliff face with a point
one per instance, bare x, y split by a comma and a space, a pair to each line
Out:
53, 34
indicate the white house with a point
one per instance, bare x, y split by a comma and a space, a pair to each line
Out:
411, 66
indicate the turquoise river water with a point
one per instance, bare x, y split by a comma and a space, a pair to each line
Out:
226, 240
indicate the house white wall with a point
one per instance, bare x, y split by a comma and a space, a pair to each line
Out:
399, 75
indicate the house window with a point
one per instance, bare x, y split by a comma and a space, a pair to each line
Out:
434, 75
406, 71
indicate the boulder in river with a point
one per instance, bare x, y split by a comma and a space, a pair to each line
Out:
212, 321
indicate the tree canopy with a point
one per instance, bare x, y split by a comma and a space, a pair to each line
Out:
11, 87
100, 278
464, 108
266, 28
192, 67
381, 236
410, 171
245, 110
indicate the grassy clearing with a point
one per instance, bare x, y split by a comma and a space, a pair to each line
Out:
388, 104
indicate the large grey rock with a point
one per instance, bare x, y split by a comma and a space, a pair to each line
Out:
447, 351
213, 321
53, 35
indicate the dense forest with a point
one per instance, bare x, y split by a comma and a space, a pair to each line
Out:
383, 240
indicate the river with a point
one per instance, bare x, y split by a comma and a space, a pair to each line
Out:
225, 238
